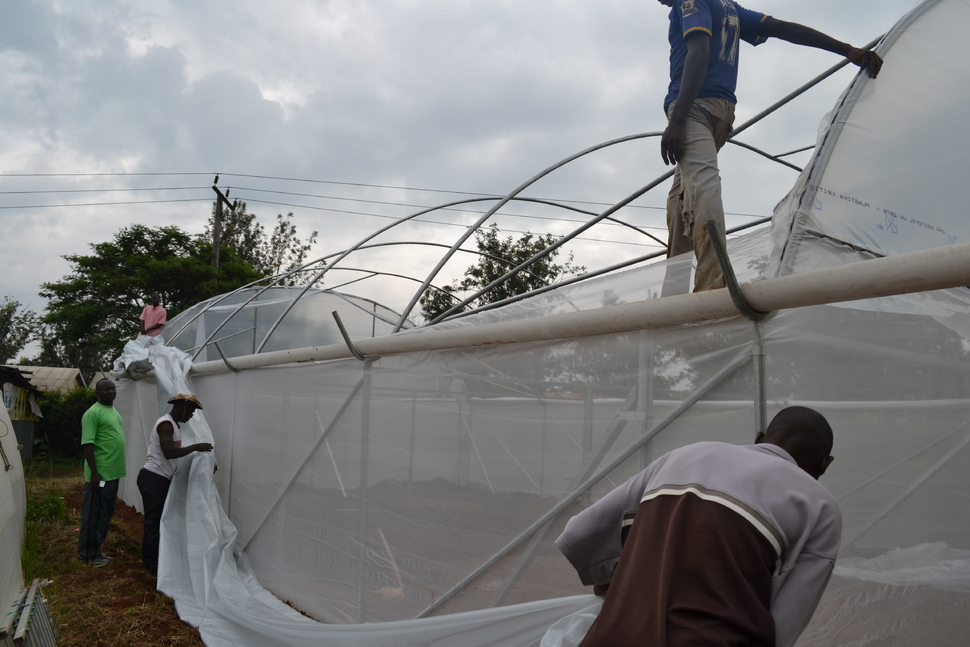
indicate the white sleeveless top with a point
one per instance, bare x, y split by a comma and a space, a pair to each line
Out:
157, 462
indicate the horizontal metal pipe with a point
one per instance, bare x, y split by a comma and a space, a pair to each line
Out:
931, 269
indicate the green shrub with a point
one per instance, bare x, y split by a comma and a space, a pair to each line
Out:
60, 428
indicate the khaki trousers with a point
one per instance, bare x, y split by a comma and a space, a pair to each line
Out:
695, 196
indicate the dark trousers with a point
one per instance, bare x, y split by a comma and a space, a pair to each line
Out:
154, 490
96, 512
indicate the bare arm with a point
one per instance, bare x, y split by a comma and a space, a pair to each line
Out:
89, 457
166, 438
808, 37
695, 71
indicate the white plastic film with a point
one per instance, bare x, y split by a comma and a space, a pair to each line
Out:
372, 513
12, 511
888, 174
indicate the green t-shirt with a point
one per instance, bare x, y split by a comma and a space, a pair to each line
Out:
101, 426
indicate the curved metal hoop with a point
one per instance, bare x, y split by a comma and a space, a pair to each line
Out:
458, 308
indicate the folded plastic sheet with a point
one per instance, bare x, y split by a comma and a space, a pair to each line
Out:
934, 564
570, 631
215, 589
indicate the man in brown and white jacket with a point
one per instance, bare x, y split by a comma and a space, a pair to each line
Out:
714, 544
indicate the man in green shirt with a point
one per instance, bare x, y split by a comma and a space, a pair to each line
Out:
103, 442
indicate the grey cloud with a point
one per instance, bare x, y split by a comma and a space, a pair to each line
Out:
471, 95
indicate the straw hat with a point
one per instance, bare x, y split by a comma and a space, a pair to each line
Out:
185, 399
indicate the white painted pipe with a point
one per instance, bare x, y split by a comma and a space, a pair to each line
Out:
923, 271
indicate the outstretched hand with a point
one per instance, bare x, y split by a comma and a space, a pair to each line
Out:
672, 143
867, 60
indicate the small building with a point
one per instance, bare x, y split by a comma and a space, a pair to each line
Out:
50, 378
20, 401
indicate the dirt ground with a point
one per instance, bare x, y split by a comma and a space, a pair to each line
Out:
113, 605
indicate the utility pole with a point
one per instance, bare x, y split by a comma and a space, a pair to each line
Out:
217, 223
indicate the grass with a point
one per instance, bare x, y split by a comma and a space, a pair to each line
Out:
113, 606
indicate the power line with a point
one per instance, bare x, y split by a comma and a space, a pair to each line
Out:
307, 180
104, 204
311, 181
161, 188
98, 174
438, 222
409, 206
322, 197
343, 211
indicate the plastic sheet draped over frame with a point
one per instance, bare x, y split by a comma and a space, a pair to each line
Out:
202, 568
242, 326
888, 175
467, 447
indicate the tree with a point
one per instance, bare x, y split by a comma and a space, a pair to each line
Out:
499, 256
16, 329
93, 311
283, 250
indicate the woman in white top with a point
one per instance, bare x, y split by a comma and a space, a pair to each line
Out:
164, 450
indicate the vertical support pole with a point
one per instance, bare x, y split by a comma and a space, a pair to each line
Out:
461, 431
362, 510
645, 393
542, 452
465, 421
587, 438
373, 323
414, 411
760, 379
232, 439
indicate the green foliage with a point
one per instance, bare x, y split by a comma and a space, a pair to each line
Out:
93, 311
46, 511
60, 428
46, 506
498, 257
16, 329
283, 250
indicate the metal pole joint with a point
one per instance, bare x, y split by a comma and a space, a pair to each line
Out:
350, 345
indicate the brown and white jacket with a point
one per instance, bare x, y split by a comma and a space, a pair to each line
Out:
759, 484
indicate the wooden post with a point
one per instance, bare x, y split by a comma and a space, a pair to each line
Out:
217, 224
217, 234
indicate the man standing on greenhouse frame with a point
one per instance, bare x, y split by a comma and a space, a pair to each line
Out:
704, 40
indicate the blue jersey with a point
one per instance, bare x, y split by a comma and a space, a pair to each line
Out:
726, 23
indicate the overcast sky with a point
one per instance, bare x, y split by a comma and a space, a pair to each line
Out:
448, 95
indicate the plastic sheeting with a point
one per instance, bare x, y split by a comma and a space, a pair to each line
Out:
13, 506
214, 587
241, 320
365, 494
888, 173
